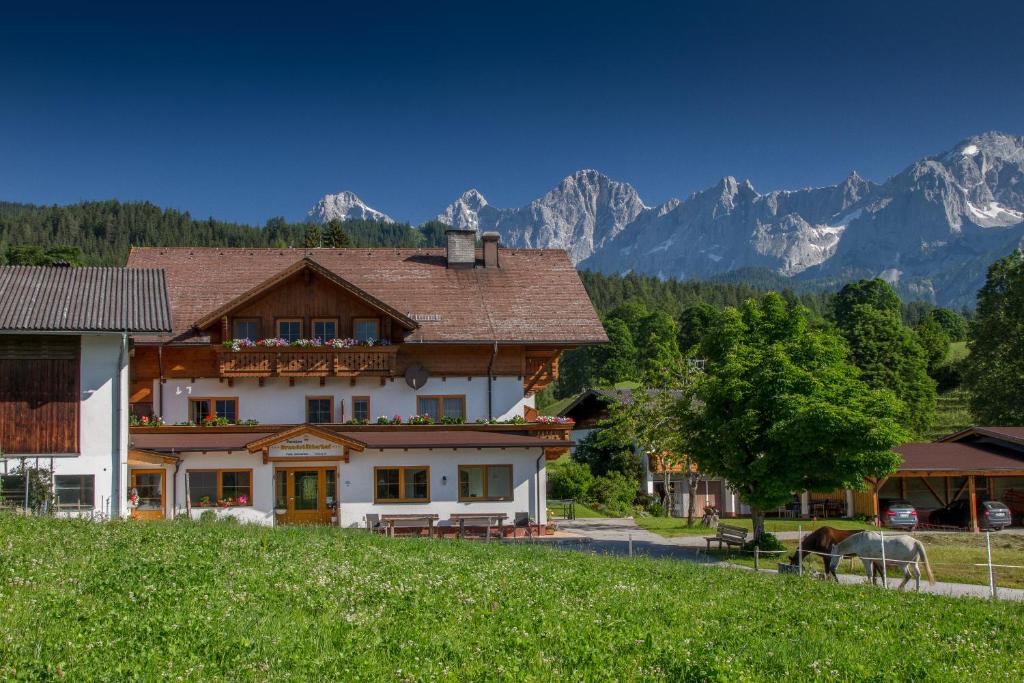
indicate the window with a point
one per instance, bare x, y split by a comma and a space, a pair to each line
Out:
437, 407
75, 491
361, 408
247, 328
207, 487
401, 484
320, 409
325, 328
201, 408
289, 329
365, 329
485, 482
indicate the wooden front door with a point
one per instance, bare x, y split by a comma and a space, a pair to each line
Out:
150, 487
309, 494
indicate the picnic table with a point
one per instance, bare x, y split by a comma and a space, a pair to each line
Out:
428, 521
487, 519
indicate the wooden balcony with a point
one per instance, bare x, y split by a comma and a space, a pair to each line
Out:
378, 361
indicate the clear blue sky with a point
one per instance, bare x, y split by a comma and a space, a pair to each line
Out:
249, 111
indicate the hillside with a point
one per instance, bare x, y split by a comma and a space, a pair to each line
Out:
104, 231
194, 601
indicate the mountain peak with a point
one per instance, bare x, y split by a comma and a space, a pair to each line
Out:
344, 205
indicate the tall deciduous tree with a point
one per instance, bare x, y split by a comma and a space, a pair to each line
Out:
618, 359
780, 409
651, 420
887, 352
661, 363
994, 372
934, 341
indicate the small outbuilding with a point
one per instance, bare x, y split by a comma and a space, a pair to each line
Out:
977, 463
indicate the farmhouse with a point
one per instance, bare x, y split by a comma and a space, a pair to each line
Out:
64, 351
340, 386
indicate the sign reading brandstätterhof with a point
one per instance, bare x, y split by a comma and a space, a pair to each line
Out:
306, 446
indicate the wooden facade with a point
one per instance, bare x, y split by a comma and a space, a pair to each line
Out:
39, 394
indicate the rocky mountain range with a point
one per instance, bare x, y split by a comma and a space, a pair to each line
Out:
580, 215
344, 206
931, 230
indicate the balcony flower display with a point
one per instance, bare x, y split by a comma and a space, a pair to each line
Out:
145, 421
554, 420
314, 343
421, 420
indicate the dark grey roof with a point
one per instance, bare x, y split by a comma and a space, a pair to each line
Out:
624, 396
64, 299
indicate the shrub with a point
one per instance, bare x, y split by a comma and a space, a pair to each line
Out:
615, 491
655, 509
570, 480
768, 541
208, 517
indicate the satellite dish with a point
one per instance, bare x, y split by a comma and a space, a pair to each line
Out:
416, 376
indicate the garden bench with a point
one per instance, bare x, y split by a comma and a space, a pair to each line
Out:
413, 520
485, 519
729, 535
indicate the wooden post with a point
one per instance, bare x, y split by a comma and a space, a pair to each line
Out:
973, 502
874, 501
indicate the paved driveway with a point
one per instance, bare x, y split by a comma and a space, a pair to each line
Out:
613, 536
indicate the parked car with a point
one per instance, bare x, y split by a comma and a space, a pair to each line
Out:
897, 513
992, 515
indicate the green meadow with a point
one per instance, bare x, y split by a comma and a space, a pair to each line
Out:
130, 601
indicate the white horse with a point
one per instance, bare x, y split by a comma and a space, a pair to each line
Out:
902, 551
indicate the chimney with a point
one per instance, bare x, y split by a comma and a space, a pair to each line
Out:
491, 240
461, 248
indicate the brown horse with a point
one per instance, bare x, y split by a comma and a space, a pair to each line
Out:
820, 542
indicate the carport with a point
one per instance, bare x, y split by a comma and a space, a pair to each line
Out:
981, 463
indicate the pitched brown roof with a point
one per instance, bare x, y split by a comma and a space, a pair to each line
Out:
64, 299
958, 457
535, 296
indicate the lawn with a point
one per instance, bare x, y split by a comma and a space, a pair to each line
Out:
134, 601
674, 526
953, 558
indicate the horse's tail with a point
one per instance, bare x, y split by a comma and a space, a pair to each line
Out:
927, 567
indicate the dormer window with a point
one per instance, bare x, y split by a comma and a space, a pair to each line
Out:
365, 329
289, 329
325, 328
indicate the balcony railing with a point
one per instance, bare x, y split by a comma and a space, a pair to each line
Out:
308, 362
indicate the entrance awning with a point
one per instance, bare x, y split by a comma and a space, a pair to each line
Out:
138, 457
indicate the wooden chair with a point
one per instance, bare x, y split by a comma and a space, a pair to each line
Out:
374, 525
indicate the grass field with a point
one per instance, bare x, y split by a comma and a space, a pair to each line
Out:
952, 556
214, 602
674, 526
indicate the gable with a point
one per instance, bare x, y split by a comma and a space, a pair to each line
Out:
308, 292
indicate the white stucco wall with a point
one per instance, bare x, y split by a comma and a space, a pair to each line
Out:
356, 485
98, 370
277, 402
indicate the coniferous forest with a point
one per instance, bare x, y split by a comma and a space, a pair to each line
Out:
101, 233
